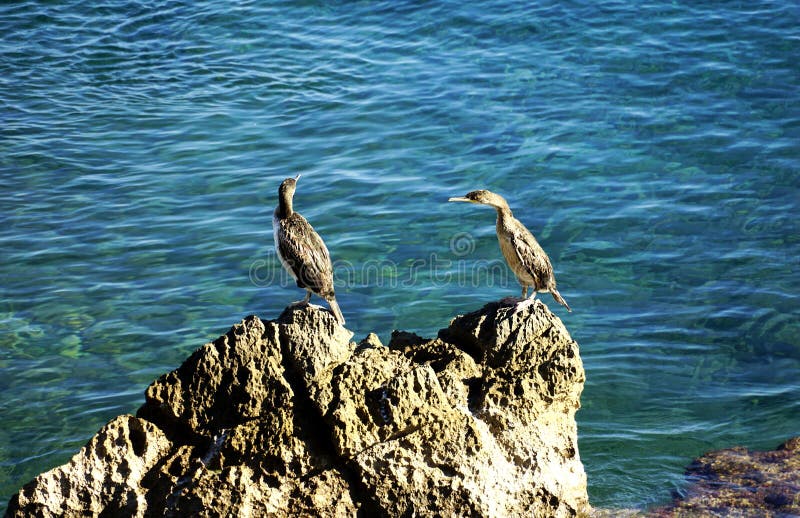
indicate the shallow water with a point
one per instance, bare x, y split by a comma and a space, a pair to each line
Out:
651, 147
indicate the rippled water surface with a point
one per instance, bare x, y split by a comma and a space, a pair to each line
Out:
653, 147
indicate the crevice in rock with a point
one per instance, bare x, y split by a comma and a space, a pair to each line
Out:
161, 493
378, 403
176, 430
467, 343
475, 394
172, 500
138, 439
306, 418
396, 436
192, 465
216, 445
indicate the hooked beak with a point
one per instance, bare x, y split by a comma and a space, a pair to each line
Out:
460, 198
297, 177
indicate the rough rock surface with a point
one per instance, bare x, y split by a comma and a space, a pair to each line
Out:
737, 482
291, 418
104, 477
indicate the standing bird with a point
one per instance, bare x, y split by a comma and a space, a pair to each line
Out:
524, 255
301, 251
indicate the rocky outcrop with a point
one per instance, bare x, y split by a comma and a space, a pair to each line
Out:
292, 418
740, 482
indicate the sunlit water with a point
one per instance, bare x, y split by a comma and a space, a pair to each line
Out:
653, 147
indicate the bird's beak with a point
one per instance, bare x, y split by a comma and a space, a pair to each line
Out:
460, 198
296, 177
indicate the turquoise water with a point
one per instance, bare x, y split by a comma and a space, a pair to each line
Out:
653, 147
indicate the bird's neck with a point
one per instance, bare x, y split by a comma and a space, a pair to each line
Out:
504, 218
503, 212
284, 206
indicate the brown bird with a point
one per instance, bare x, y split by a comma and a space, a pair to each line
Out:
301, 251
524, 255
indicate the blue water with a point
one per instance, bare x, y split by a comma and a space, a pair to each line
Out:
653, 147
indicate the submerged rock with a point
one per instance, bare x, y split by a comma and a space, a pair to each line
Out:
740, 482
292, 418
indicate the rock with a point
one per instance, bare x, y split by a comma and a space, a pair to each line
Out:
234, 379
104, 477
740, 482
291, 418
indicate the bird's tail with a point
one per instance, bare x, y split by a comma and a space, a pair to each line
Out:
559, 298
336, 311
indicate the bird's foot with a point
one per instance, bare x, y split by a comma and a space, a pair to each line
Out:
524, 304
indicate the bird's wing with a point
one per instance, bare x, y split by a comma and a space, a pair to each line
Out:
532, 257
306, 253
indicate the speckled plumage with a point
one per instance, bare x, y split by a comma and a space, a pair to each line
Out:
526, 258
301, 250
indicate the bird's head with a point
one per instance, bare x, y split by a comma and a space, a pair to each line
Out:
286, 190
483, 197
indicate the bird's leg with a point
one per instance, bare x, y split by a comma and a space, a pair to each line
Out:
303, 302
514, 301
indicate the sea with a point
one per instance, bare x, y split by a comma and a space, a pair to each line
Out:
653, 147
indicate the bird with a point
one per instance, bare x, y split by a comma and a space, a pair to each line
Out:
301, 250
524, 255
